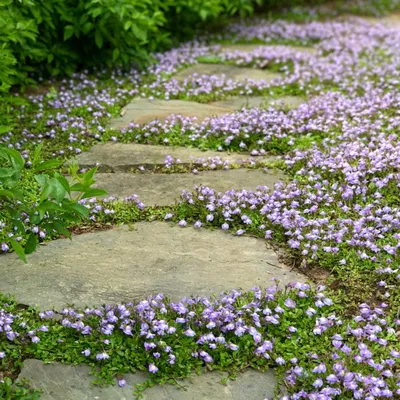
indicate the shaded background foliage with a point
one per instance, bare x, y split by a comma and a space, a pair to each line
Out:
60, 36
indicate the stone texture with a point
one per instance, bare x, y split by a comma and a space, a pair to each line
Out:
237, 103
392, 21
165, 189
66, 382
252, 47
142, 111
230, 72
119, 157
129, 264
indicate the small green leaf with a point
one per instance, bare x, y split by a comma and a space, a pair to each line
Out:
31, 244
6, 193
42, 180
68, 32
4, 129
139, 33
80, 209
115, 54
93, 193
64, 182
18, 250
49, 164
98, 39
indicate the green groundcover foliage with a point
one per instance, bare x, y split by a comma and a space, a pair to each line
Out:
59, 36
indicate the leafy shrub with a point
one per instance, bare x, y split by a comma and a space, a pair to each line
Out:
63, 35
36, 201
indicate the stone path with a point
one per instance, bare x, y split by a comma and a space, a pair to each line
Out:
125, 264
160, 189
64, 382
118, 157
142, 111
229, 71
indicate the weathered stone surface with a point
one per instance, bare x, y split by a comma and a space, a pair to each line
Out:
252, 47
123, 265
392, 21
142, 111
237, 103
230, 72
120, 157
165, 189
66, 382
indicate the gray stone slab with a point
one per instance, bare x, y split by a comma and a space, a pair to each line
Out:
391, 21
119, 157
237, 103
129, 264
251, 47
230, 72
165, 189
142, 111
66, 382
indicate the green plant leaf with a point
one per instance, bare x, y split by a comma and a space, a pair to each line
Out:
42, 180
68, 32
50, 164
19, 250
6, 193
139, 33
80, 209
61, 229
31, 244
98, 37
4, 129
93, 193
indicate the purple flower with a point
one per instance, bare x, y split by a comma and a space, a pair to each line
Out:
121, 382
102, 356
289, 303
152, 368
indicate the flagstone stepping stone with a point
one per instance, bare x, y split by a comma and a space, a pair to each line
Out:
251, 47
165, 189
237, 103
126, 264
67, 382
392, 21
141, 111
119, 157
230, 72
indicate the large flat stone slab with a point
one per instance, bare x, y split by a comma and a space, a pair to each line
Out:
119, 157
66, 382
124, 265
245, 47
141, 111
165, 189
391, 21
237, 103
230, 72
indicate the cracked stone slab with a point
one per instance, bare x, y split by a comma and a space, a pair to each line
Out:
230, 72
141, 111
251, 47
67, 382
126, 264
119, 157
165, 189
